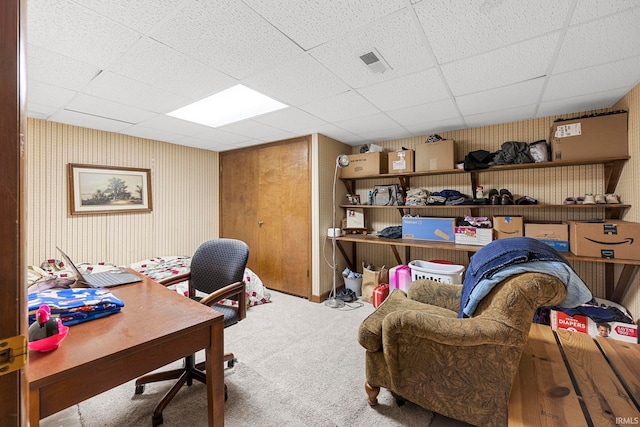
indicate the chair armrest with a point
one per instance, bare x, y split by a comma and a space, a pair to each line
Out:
233, 289
175, 279
436, 293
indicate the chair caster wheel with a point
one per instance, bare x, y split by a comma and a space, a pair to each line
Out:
156, 420
400, 401
139, 389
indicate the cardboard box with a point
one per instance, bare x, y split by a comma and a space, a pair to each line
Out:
554, 235
508, 226
439, 155
355, 218
473, 236
627, 332
365, 164
439, 229
591, 137
400, 161
611, 239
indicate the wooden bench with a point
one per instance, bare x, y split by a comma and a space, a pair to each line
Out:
571, 379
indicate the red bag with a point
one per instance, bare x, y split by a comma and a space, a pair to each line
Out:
380, 293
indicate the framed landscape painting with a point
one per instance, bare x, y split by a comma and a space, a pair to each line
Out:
108, 189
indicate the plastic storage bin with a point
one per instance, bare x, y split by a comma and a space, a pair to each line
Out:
443, 273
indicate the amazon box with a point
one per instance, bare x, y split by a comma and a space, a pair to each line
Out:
508, 226
365, 164
590, 137
611, 239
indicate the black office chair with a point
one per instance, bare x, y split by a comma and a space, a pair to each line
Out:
217, 269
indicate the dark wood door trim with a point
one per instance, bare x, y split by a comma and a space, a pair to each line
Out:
12, 225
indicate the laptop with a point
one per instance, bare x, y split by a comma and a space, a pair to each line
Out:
106, 279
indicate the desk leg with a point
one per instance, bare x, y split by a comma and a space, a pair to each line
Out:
215, 375
34, 407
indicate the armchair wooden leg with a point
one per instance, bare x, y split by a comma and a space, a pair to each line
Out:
372, 392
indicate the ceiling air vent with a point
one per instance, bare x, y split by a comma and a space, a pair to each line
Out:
374, 61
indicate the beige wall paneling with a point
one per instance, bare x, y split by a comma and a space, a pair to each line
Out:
325, 151
628, 187
184, 195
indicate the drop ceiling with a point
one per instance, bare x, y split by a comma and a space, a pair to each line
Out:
121, 65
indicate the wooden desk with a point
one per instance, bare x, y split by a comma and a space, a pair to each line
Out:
155, 327
569, 378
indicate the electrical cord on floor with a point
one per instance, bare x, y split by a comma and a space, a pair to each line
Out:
348, 306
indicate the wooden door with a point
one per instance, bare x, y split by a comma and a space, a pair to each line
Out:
277, 225
13, 316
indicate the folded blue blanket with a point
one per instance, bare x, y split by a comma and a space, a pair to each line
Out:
503, 258
75, 305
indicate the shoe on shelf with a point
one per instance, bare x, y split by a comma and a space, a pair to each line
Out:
612, 198
580, 200
589, 199
506, 198
570, 201
600, 199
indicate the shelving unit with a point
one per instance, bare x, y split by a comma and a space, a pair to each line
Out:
612, 171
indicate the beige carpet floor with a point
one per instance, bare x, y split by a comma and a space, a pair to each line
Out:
299, 364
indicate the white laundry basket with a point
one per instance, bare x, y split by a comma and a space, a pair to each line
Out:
443, 273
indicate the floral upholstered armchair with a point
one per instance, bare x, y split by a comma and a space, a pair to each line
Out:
463, 368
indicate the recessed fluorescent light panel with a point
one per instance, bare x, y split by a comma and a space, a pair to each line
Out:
231, 105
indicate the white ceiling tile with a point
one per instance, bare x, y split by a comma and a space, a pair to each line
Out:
503, 116
311, 23
134, 93
511, 64
108, 109
297, 82
414, 89
437, 126
255, 130
52, 96
39, 111
88, 121
425, 113
346, 105
71, 29
53, 68
458, 29
386, 134
226, 35
190, 141
587, 10
290, 119
598, 42
395, 37
515, 95
593, 79
581, 103
158, 65
375, 122
140, 15
220, 137
149, 133
171, 124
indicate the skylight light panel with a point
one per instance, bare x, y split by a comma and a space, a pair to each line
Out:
229, 106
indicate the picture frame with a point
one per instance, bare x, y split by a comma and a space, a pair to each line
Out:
97, 189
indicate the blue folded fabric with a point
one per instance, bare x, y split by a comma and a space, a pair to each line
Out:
75, 305
503, 258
